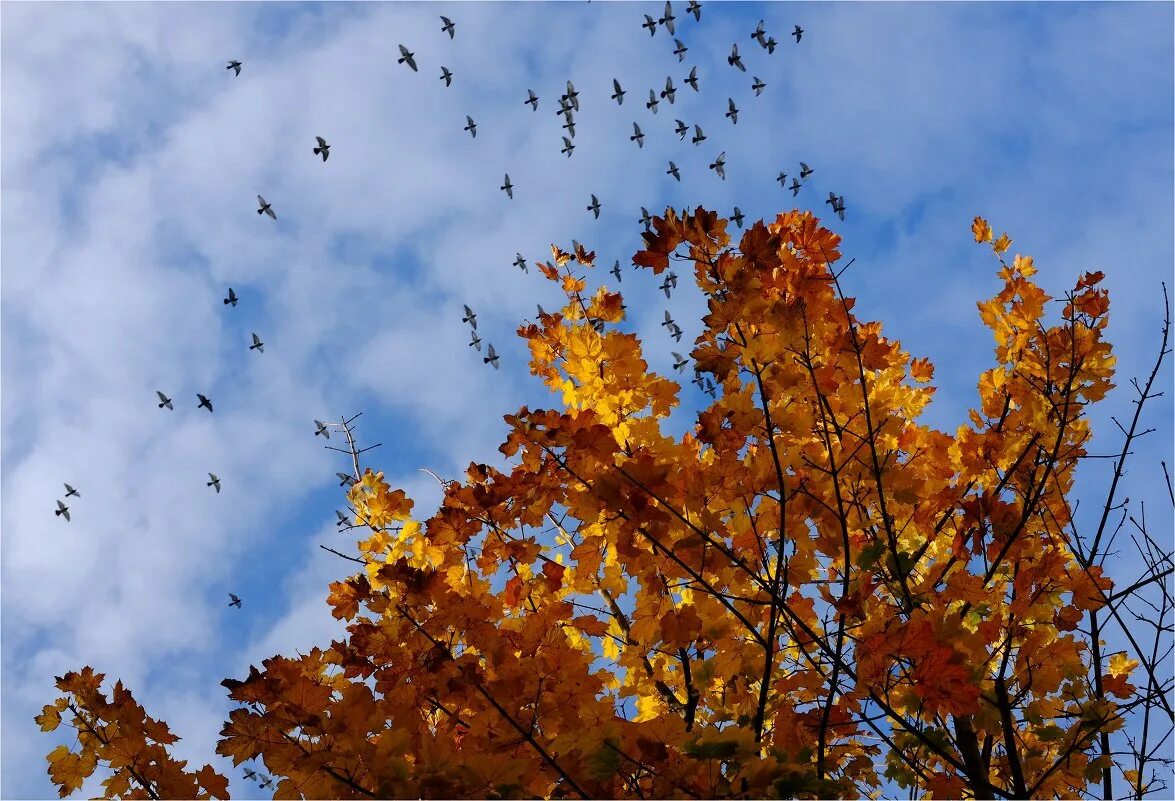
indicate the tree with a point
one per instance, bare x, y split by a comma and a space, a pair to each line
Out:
809, 595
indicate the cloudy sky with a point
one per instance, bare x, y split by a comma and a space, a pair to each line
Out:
131, 163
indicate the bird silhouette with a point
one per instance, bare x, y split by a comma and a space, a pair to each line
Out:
520, 262
759, 34
646, 218
568, 147
669, 93
679, 361
343, 519
164, 401
668, 320
838, 206
732, 111
323, 148
231, 299
618, 93
719, 165
698, 136
805, 171
62, 510
673, 171
798, 33
320, 429
795, 187
508, 187
679, 50
653, 101
492, 358
265, 208
637, 136
469, 317
257, 345
572, 95
694, 8
651, 24
345, 479
447, 75
448, 26
474, 341
758, 86
616, 270
770, 45
737, 217
234, 601
249, 774
681, 129
532, 99
266, 782
692, 80
235, 66
407, 58
668, 19
71, 491
594, 207
734, 59
205, 403
782, 179
570, 126
666, 287
470, 126
213, 482
675, 332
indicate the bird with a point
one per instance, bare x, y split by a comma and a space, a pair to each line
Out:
594, 207
694, 8
492, 358
667, 20
681, 129
770, 44
839, 207
782, 179
759, 33
568, 147
679, 50
71, 491
447, 75
733, 110
669, 92
249, 774
164, 401
673, 171
572, 95
470, 126
805, 171
698, 136
520, 262
734, 59
709, 387
265, 208
679, 361
474, 341
676, 332
213, 482
637, 136
651, 24
235, 66
257, 345
795, 187
737, 217
321, 430
322, 148
508, 187
692, 80
570, 126
616, 269
266, 782
798, 32
232, 298
831, 198
719, 165
448, 27
469, 317
653, 101
343, 519
668, 320
666, 286
407, 58
345, 479
205, 403
758, 86
618, 93
671, 277
646, 218
62, 510
532, 99
234, 601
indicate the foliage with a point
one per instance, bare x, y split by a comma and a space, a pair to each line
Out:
809, 595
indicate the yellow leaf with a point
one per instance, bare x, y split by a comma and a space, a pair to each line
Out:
1001, 244
981, 230
49, 719
1121, 664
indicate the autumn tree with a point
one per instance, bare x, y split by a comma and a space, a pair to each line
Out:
811, 594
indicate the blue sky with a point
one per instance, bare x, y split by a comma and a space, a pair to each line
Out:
131, 161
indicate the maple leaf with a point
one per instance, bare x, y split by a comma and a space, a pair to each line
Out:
981, 230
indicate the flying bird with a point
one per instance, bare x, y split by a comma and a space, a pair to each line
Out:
570, 126
798, 32
249, 774
205, 403
795, 187
782, 179
694, 8
734, 59
616, 269
232, 297
447, 76
679, 361
235, 66
673, 171
343, 519
651, 24
665, 287
653, 101
839, 207
470, 126
805, 171
667, 20
671, 277
719, 165
492, 358
520, 262
322, 148
770, 44
737, 217
637, 136
164, 401
407, 58
508, 187
266, 782
668, 319
265, 208
345, 479
759, 33
257, 345
474, 341
533, 99
698, 136
692, 80
448, 27
676, 332
733, 110
646, 218
681, 129
321, 430
234, 601
568, 147
618, 94
572, 95
758, 86
213, 482
469, 317
594, 207
62, 510
71, 491
669, 92
679, 50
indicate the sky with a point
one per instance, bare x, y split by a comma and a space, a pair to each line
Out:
131, 160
